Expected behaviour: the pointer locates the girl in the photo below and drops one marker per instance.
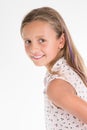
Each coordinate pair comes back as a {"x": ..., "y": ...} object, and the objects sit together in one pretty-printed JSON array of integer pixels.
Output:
[{"x": 48, "y": 43}]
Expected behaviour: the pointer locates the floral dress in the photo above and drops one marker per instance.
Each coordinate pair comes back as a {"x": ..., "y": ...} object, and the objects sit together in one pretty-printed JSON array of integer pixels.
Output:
[{"x": 55, "y": 117}]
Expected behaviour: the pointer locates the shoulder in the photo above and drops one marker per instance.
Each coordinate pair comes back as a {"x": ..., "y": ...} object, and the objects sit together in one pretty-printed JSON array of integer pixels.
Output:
[
  {"x": 59, "y": 91},
  {"x": 63, "y": 95}
]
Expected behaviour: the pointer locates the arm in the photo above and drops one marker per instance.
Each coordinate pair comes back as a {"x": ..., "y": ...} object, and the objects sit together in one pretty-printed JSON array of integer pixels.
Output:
[{"x": 63, "y": 95}]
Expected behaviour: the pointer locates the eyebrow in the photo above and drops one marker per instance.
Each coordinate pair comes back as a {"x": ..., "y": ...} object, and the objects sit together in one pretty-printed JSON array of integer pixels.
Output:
[
  {"x": 39, "y": 36},
  {"x": 35, "y": 37}
]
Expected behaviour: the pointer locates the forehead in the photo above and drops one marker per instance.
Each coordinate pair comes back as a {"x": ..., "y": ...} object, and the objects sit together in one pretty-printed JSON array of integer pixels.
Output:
[{"x": 38, "y": 27}]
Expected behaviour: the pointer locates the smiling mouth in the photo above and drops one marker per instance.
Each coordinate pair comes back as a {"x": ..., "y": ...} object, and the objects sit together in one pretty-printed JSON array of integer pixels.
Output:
[{"x": 37, "y": 57}]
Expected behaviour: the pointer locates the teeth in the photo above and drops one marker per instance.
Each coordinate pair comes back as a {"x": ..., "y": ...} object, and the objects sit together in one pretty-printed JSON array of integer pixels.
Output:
[{"x": 37, "y": 57}]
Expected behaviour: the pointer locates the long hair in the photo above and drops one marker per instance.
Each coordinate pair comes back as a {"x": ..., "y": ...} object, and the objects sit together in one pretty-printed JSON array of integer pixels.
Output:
[{"x": 69, "y": 51}]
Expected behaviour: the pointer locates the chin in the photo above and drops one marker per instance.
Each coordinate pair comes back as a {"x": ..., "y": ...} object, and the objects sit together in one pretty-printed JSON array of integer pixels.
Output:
[{"x": 39, "y": 64}]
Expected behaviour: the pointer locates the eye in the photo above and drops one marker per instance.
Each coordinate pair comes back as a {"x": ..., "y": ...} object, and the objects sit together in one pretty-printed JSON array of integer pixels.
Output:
[
  {"x": 41, "y": 40},
  {"x": 27, "y": 42}
]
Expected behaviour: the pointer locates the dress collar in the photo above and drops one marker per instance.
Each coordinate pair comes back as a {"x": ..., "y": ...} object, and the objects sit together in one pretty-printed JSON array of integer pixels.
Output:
[{"x": 58, "y": 64}]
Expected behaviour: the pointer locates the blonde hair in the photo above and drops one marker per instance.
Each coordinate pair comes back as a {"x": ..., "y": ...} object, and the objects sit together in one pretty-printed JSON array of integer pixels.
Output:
[{"x": 69, "y": 51}]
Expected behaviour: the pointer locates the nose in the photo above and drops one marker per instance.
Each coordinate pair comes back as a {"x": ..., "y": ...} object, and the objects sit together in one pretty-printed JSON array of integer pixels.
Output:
[{"x": 34, "y": 48}]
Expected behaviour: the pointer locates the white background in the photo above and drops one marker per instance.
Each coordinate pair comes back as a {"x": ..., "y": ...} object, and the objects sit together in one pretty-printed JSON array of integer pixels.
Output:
[{"x": 21, "y": 83}]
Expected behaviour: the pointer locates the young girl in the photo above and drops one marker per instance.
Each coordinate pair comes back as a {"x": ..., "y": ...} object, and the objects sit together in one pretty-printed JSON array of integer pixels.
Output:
[{"x": 48, "y": 43}]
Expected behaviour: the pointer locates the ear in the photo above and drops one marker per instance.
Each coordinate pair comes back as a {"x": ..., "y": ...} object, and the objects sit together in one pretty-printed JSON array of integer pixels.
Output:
[{"x": 61, "y": 41}]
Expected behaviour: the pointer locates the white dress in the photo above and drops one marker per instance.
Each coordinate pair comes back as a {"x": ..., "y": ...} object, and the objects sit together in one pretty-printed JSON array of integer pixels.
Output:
[{"x": 55, "y": 117}]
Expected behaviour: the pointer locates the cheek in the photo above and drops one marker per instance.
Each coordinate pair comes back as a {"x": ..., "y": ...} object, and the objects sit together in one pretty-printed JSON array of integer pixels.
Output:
[
  {"x": 52, "y": 50},
  {"x": 27, "y": 50}
]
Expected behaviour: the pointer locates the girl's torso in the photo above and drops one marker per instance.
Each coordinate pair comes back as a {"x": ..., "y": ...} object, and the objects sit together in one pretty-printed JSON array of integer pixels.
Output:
[{"x": 57, "y": 118}]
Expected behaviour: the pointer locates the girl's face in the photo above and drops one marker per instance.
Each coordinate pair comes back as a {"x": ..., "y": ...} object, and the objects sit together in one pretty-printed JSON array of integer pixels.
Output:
[{"x": 41, "y": 42}]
